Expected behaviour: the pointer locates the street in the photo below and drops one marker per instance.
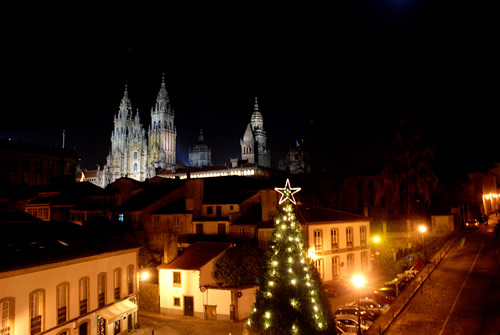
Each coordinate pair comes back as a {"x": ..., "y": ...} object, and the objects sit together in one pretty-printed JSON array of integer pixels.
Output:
[{"x": 463, "y": 293}]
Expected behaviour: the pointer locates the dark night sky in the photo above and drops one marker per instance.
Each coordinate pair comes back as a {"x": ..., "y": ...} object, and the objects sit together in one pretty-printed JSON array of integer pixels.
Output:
[{"x": 347, "y": 86}]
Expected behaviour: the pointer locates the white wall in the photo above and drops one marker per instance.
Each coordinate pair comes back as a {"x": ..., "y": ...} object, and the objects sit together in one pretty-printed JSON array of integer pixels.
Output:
[{"x": 20, "y": 283}]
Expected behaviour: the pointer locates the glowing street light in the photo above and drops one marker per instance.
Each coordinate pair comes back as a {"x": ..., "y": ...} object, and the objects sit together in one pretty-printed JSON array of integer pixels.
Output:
[
  {"x": 423, "y": 228},
  {"x": 144, "y": 275},
  {"x": 359, "y": 281}
]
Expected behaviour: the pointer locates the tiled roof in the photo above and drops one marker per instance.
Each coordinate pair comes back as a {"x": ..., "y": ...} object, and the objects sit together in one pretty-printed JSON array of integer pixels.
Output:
[
  {"x": 175, "y": 207},
  {"x": 23, "y": 245},
  {"x": 150, "y": 195},
  {"x": 197, "y": 255},
  {"x": 227, "y": 198},
  {"x": 311, "y": 214},
  {"x": 251, "y": 217}
]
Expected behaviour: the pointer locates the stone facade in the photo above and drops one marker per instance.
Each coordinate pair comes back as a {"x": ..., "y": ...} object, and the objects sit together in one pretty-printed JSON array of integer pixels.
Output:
[
  {"x": 200, "y": 155},
  {"x": 254, "y": 142},
  {"x": 134, "y": 154}
]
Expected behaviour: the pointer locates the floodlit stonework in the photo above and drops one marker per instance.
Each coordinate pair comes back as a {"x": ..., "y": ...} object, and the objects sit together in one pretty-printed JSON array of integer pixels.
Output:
[{"x": 135, "y": 154}]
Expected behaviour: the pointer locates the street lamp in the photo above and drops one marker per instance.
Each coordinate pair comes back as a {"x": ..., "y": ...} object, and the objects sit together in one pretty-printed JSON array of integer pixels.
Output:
[
  {"x": 376, "y": 240},
  {"x": 423, "y": 228},
  {"x": 359, "y": 281}
]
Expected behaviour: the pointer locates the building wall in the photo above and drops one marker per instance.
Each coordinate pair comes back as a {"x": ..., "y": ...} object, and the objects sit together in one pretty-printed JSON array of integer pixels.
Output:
[{"x": 18, "y": 284}]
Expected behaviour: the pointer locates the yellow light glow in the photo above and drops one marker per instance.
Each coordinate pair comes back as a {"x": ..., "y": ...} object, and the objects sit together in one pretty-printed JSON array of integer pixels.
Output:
[
  {"x": 144, "y": 275},
  {"x": 422, "y": 228},
  {"x": 376, "y": 239},
  {"x": 311, "y": 253},
  {"x": 358, "y": 281}
]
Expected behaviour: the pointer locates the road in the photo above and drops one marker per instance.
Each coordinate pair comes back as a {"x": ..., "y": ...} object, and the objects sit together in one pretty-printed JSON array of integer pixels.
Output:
[{"x": 462, "y": 295}]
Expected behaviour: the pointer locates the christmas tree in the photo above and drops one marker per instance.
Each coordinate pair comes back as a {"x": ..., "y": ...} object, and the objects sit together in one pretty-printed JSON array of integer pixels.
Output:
[{"x": 289, "y": 299}]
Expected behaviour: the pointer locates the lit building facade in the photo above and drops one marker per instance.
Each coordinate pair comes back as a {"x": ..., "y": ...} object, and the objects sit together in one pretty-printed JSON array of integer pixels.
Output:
[
  {"x": 200, "y": 155},
  {"x": 254, "y": 142},
  {"x": 135, "y": 154}
]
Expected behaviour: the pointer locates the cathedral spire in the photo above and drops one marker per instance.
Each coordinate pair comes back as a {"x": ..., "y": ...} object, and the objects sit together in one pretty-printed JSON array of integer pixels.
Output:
[
  {"x": 257, "y": 121},
  {"x": 162, "y": 99},
  {"x": 125, "y": 110},
  {"x": 201, "y": 138}
]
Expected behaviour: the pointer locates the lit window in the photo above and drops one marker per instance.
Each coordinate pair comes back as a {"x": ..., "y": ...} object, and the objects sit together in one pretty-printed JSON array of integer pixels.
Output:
[
  {"x": 84, "y": 295},
  {"x": 5, "y": 309},
  {"x": 121, "y": 217},
  {"x": 364, "y": 260},
  {"x": 101, "y": 289},
  {"x": 177, "y": 301},
  {"x": 36, "y": 311},
  {"x": 350, "y": 263},
  {"x": 62, "y": 303},
  {"x": 176, "y": 221},
  {"x": 318, "y": 241},
  {"x": 362, "y": 235},
  {"x": 334, "y": 234},
  {"x": 319, "y": 266},
  {"x": 117, "y": 279},
  {"x": 349, "y": 238},
  {"x": 177, "y": 278},
  {"x": 335, "y": 266}
]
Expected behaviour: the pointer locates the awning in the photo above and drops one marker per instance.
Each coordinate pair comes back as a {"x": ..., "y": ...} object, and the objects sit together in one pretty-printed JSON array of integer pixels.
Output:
[{"x": 117, "y": 310}]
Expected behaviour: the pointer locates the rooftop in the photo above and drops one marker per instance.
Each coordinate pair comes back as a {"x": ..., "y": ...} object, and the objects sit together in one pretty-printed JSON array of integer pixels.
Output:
[{"x": 196, "y": 256}]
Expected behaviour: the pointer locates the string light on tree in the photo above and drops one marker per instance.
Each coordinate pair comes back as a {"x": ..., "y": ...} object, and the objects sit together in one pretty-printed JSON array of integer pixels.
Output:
[{"x": 289, "y": 300}]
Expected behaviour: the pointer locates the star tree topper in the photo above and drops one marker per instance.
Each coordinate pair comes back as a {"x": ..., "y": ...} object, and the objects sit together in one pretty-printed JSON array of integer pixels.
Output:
[{"x": 287, "y": 192}]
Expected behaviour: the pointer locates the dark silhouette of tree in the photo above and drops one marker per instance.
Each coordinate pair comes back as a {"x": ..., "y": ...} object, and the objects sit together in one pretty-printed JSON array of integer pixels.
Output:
[
  {"x": 238, "y": 266},
  {"x": 409, "y": 178}
]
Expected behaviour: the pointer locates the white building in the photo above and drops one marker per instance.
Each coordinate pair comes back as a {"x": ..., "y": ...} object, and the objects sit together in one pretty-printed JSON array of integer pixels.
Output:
[
  {"x": 201, "y": 154},
  {"x": 187, "y": 286},
  {"x": 59, "y": 281},
  {"x": 338, "y": 242}
]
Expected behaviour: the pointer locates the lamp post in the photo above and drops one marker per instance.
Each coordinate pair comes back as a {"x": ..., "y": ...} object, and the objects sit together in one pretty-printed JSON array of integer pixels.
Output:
[
  {"x": 423, "y": 229},
  {"x": 376, "y": 241},
  {"x": 359, "y": 281}
]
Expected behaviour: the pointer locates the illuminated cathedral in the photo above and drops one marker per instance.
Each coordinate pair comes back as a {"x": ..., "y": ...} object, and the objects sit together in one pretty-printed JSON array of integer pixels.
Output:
[
  {"x": 141, "y": 155},
  {"x": 135, "y": 154}
]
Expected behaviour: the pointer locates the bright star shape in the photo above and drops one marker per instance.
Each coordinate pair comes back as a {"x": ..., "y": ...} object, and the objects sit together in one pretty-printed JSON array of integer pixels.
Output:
[{"x": 287, "y": 192}]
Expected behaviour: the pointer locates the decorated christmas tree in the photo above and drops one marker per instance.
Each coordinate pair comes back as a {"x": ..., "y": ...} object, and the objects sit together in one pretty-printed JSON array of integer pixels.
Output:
[{"x": 289, "y": 299}]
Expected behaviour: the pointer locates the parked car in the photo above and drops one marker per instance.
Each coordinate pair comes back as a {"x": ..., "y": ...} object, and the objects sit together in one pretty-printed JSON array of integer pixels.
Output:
[
  {"x": 353, "y": 310},
  {"x": 412, "y": 272},
  {"x": 382, "y": 298},
  {"x": 387, "y": 291},
  {"x": 370, "y": 305},
  {"x": 400, "y": 281},
  {"x": 334, "y": 288},
  {"x": 341, "y": 329},
  {"x": 471, "y": 224},
  {"x": 350, "y": 322}
]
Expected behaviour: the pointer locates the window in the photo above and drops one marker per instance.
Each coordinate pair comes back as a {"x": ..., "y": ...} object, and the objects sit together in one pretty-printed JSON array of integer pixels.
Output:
[
  {"x": 62, "y": 302},
  {"x": 84, "y": 295},
  {"x": 334, "y": 234},
  {"x": 221, "y": 228},
  {"x": 5, "y": 308},
  {"x": 219, "y": 211},
  {"x": 319, "y": 266},
  {"x": 364, "y": 260},
  {"x": 177, "y": 221},
  {"x": 350, "y": 263},
  {"x": 199, "y": 228},
  {"x": 335, "y": 266},
  {"x": 156, "y": 222},
  {"x": 117, "y": 279},
  {"x": 362, "y": 235},
  {"x": 101, "y": 289},
  {"x": 177, "y": 301},
  {"x": 318, "y": 241},
  {"x": 130, "y": 279},
  {"x": 121, "y": 217},
  {"x": 176, "y": 279},
  {"x": 210, "y": 210},
  {"x": 231, "y": 207},
  {"x": 135, "y": 154},
  {"x": 36, "y": 311},
  {"x": 135, "y": 167},
  {"x": 348, "y": 233},
  {"x": 116, "y": 327}
]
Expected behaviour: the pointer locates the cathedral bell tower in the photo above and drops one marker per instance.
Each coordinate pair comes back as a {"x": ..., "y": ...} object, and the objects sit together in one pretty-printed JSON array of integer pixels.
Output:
[
  {"x": 162, "y": 132},
  {"x": 254, "y": 142}
]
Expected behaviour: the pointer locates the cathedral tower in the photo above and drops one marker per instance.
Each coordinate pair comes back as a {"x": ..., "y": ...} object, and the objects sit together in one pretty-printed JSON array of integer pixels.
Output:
[
  {"x": 254, "y": 142},
  {"x": 200, "y": 155},
  {"x": 162, "y": 132}
]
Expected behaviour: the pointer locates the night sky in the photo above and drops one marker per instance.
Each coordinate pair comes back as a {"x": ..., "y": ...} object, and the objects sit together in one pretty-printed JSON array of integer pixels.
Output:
[{"x": 346, "y": 86}]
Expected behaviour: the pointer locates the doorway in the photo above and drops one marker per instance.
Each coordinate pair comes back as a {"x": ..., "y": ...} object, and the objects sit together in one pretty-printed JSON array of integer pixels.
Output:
[{"x": 188, "y": 306}]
